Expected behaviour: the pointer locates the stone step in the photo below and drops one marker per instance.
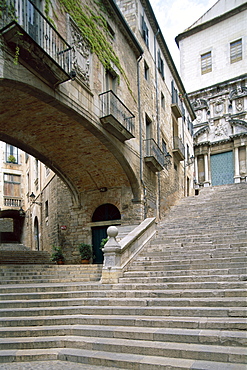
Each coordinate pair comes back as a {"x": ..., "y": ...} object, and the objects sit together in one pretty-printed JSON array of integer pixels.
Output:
[
  {"x": 189, "y": 264},
  {"x": 140, "y": 347},
  {"x": 123, "y": 302},
  {"x": 180, "y": 293},
  {"x": 197, "y": 336},
  {"x": 176, "y": 278},
  {"x": 215, "y": 323},
  {"x": 25, "y": 257},
  {"x": 130, "y": 310},
  {"x": 144, "y": 271},
  {"x": 119, "y": 360},
  {"x": 159, "y": 286},
  {"x": 52, "y": 281}
]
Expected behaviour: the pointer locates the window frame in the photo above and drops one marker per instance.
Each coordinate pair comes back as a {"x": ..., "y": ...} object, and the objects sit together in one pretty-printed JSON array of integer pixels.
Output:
[
  {"x": 146, "y": 71},
  {"x": 160, "y": 65},
  {"x": 236, "y": 51},
  {"x": 145, "y": 31},
  {"x": 206, "y": 58}
]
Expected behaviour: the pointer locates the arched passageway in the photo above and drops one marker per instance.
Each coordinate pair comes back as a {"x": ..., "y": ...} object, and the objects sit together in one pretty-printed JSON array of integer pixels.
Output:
[{"x": 73, "y": 147}]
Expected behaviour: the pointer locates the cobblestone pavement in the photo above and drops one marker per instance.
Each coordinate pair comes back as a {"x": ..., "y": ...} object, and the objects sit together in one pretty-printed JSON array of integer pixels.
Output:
[{"x": 51, "y": 365}]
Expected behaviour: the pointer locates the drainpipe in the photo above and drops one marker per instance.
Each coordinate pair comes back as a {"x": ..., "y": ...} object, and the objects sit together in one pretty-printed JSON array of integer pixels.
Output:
[
  {"x": 140, "y": 134},
  {"x": 158, "y": 121}
]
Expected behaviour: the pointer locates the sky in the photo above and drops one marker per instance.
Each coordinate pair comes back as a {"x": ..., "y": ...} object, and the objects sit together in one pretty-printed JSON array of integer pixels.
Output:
[{"x": 174, "y": 16}]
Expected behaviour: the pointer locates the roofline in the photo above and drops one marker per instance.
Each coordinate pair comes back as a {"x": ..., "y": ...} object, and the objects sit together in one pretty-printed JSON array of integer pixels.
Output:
[
  {"x": 154, "y": 24},
  {"x": 209, "y": 23}
]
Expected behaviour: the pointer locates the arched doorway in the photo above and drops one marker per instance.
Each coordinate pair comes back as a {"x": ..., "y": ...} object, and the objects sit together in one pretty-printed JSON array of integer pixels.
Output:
[
  {"x": 105, "y": 212},
  {"x": 36, "y": 234}
]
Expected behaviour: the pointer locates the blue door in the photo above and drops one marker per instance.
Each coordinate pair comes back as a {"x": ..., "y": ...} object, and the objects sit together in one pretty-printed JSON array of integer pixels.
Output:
[{"x": 222, "y": 168}]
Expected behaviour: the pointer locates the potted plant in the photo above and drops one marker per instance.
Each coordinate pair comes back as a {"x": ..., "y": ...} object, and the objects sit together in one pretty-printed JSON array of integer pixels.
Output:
[
  {"x": 103, "y": 242},
  {"x": 86, "y": 252},
  {"x": 11, "y": 159},
  {"x": 57, "y": 255}
]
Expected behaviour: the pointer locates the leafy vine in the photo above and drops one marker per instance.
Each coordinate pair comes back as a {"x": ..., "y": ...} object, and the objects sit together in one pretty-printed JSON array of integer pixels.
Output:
[{"x": 94, "y": 29}]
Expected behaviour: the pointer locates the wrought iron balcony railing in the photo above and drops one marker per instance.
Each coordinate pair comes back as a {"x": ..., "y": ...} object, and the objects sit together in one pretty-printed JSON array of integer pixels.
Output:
[
  {"x": 116, "y": 117},
  {"x": 22, "y": 24},
  {"x": 178, "y": 148},
  {"x": 154, "y": 157}
]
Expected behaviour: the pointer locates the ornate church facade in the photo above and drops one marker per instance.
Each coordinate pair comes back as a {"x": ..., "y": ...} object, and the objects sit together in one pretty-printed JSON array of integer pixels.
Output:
[{"x": 213, "y": 68}]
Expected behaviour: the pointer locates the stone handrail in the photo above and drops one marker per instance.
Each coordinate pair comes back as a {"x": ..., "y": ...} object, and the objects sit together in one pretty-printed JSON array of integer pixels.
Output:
[{"x": 117, "y": 255}]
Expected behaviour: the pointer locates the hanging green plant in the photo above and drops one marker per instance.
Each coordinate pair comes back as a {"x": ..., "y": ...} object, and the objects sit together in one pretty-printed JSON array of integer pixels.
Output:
[{"x": 94, "y": 29}]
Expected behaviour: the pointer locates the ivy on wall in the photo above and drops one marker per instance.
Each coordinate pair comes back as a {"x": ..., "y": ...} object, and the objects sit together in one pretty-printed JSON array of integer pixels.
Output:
[{"x": 94, "y": 29}]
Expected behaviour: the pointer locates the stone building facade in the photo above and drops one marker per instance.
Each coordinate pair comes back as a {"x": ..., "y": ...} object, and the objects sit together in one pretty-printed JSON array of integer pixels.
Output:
[
  {"x": 97, "y": 99},
  {"x": 215, "y": 75}
]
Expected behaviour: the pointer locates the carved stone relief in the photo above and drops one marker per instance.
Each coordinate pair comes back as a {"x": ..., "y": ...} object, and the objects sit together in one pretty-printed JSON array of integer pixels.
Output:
[
  {"x": 199, "y": 104},
  {"x": 239, "y": 92},
  {"x": 199, "y": 116},
  {"x": 220, "y": 129},
  {"x": 80, "y": 54},
  {"x": 239, "y": 104},
  {"x": 219, "y": 106}
]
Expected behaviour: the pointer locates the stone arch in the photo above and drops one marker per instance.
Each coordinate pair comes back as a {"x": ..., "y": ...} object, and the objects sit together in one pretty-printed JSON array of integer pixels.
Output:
[{"x": 41, "y": 125}]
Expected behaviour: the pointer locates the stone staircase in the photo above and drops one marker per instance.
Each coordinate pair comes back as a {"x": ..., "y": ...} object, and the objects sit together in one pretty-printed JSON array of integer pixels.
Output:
[
  {"x": 18, "y": 254},
  {"x": 181, "y": 304}
]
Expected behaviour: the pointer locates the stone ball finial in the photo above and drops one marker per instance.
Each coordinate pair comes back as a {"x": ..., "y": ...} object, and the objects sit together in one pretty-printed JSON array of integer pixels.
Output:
[{"x": 112, "y": 231}]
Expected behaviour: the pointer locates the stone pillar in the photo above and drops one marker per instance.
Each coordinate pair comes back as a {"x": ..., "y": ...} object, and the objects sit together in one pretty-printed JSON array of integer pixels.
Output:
[
  {"x": 236, "y": 167},
  {"x": 112, "y": 258},
  {"x": 206, "y": 182}
]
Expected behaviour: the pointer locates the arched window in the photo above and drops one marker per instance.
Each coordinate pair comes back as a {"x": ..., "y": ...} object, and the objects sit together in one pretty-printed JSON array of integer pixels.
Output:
[{"x": 106, "y": 212}]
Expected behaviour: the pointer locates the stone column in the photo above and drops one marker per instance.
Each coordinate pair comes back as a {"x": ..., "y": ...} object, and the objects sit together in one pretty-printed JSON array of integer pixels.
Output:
[
  {"x": 236, "y": 167},
  {"x": 206, "y": 181}
]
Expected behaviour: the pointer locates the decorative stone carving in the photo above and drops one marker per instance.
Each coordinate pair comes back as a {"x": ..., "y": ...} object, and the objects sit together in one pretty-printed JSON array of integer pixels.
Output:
[
  {"x": 80, "y": 54},
  {"x": 199, "y": 115},
  {"x": 237, "y": 93},
  {"x": 199, "y": 104},
  {"x": 220, "y": 129},
  {"x": 219, "y": 105},
  {"x": 239, "y": 104}
]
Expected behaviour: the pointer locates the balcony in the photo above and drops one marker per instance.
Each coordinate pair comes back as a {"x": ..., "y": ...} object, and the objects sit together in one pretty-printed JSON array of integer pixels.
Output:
[
  {"x": 154, "y": 157},
  {"x": 178, "y": 148},
  {"x": 34, "y": 41},
  {"x": 12, "y": 202},
  {"x": 116, "y": 117},
  {"x": 176, "y": 105}
]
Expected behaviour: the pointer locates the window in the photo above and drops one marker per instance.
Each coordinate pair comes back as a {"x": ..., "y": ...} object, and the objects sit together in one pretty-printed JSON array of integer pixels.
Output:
[
  {"x": 11, "y": 154},
  {"x": 144, "y": 31},
  {"x": 12, "y": 185},
  {"x": 206, "y": 63},
  {"x": 47, "y": 171},
  {"x": 187, "y": 152},
  {"x": 146, "y": 71},
  {"x": 46, "y": 209},
  {"x": 111, "y": 81},
  {"x": 160, "y": 65},
  {"x": 236, "y": 51},
  {"x": 148, "y": 128},
  {"x": 162, "y": 101}
]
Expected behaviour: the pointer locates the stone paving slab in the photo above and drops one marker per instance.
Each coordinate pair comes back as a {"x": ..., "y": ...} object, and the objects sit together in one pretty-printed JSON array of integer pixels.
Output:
[{"x": 51, "y": 365}]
